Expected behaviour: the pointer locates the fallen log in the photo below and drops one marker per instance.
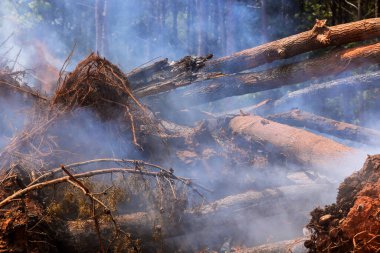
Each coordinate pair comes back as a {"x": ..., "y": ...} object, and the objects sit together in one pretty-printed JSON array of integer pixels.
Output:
[
  {"x": 236, "y": 212},
  {"x": 145, "y": 73},
  {"x": 186, "y": 70},
  {"x": 328, "y": 89},
  {"x": 320, "y": 36},
  {"x": 296, "y": 145},
  {"x": 213, "y": 89},
  {"x": 332, "y": 127},
  {"x": 294, "y": 246}
]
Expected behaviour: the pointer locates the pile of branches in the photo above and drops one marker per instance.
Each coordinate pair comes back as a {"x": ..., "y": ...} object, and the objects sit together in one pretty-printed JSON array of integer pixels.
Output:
[
  {"x": 37, "y": 210},
  {"x": 37, "y": 202}
]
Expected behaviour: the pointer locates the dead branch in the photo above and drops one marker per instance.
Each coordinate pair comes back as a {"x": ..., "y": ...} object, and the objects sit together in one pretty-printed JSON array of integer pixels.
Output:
[
  {"x": 136, "y": 163},
  {"x": 41, "y": 185},
  {"x": 86, "y": 191}
]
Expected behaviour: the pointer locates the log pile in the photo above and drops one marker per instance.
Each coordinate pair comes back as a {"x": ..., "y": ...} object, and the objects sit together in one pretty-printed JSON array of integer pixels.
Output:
[
  {"x": 239, "y": 172},
  {"x": 228, "y": 85}
]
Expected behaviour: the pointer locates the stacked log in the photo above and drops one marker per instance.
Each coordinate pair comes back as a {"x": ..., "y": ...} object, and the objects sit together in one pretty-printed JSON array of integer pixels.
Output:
[
  {"x": 297, "y": 146},
  {"x": 223, "y": 86},
  {"x": 324, "y": 125}
]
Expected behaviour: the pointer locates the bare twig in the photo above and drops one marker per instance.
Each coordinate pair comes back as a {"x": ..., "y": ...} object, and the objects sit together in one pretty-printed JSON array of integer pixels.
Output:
[
  {"x": 94, "y": 200},
  {"x": 185, "y": 181},
  {"x": 16, "y": 59},
  {"x": 8, "y": 38},
  {"x": 37, "y": 186}
]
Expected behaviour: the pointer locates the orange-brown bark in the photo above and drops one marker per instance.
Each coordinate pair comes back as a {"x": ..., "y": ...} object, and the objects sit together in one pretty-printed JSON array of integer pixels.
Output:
[
  {"x": 320, "y": 36},
  {"x": 297, "y": 145}
]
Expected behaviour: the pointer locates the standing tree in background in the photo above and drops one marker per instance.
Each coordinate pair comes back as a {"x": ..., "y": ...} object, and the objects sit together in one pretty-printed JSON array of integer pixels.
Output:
[
  {"x": 142, "y": 30},
  {"x": 202, "y": 27},
  {"x": 230, "y": 27},
  {"x": 264, "y": 21},
  {"x": 101, "y": 43}
]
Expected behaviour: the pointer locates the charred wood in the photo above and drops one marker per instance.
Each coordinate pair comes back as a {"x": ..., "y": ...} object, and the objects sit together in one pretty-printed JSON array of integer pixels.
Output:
[
  {"x": 167, "y": 74},
  {"x": 213, "y": 89},
  {"x": 144, "y": 74}
]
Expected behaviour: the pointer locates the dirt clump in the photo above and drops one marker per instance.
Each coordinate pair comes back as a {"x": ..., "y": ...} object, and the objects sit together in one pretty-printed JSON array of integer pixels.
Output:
[
  {"x": 352, "y": 224},
  {"x": 24, "y": 225}
]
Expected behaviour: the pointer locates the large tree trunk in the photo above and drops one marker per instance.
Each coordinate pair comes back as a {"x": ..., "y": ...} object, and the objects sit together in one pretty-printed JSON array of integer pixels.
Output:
[
  {"x": 202, "y": 10},
  {"x": 144, "y": 75},
  {"x": 264, "y": 21},
  {"x": 162, "y": 75},
  {"x": 215, "y": 88},
  {"x": 318, "y": 37},
  {"x": 230, "y": 27},
  {"x": 293, "y": 246},
  {"x": 210, "y": 220},
  {"x": 328, "y": 126},
  {"x": 297, "y": 146},
  {"x": 324, "y": 90}
]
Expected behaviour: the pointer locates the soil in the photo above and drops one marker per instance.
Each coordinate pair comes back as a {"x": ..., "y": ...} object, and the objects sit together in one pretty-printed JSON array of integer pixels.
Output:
[
  {"x": 24, "y": 225},
  {"x": 352, "y": 224}
]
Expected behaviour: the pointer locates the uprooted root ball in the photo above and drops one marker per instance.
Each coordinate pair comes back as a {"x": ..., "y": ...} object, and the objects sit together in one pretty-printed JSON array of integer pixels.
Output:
[{"x": 100, "y": 85}]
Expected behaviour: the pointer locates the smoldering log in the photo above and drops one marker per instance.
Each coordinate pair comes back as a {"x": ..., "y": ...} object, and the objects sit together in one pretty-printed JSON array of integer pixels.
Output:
[
  {"x": 332, "y": 127},
  {"x": 320, "y": 36},
  {"x": 358, "y": 82},
  {"x": 144, "y": 74},
  {"x": 162, "y": 71},
  {"x": 9, "y": 85},
  {"x": 295, "y": 246},
  {"x": 296, "y": 145},
  {"x": 232, "y": 212},
  {"x": 333, "y": 63}
]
